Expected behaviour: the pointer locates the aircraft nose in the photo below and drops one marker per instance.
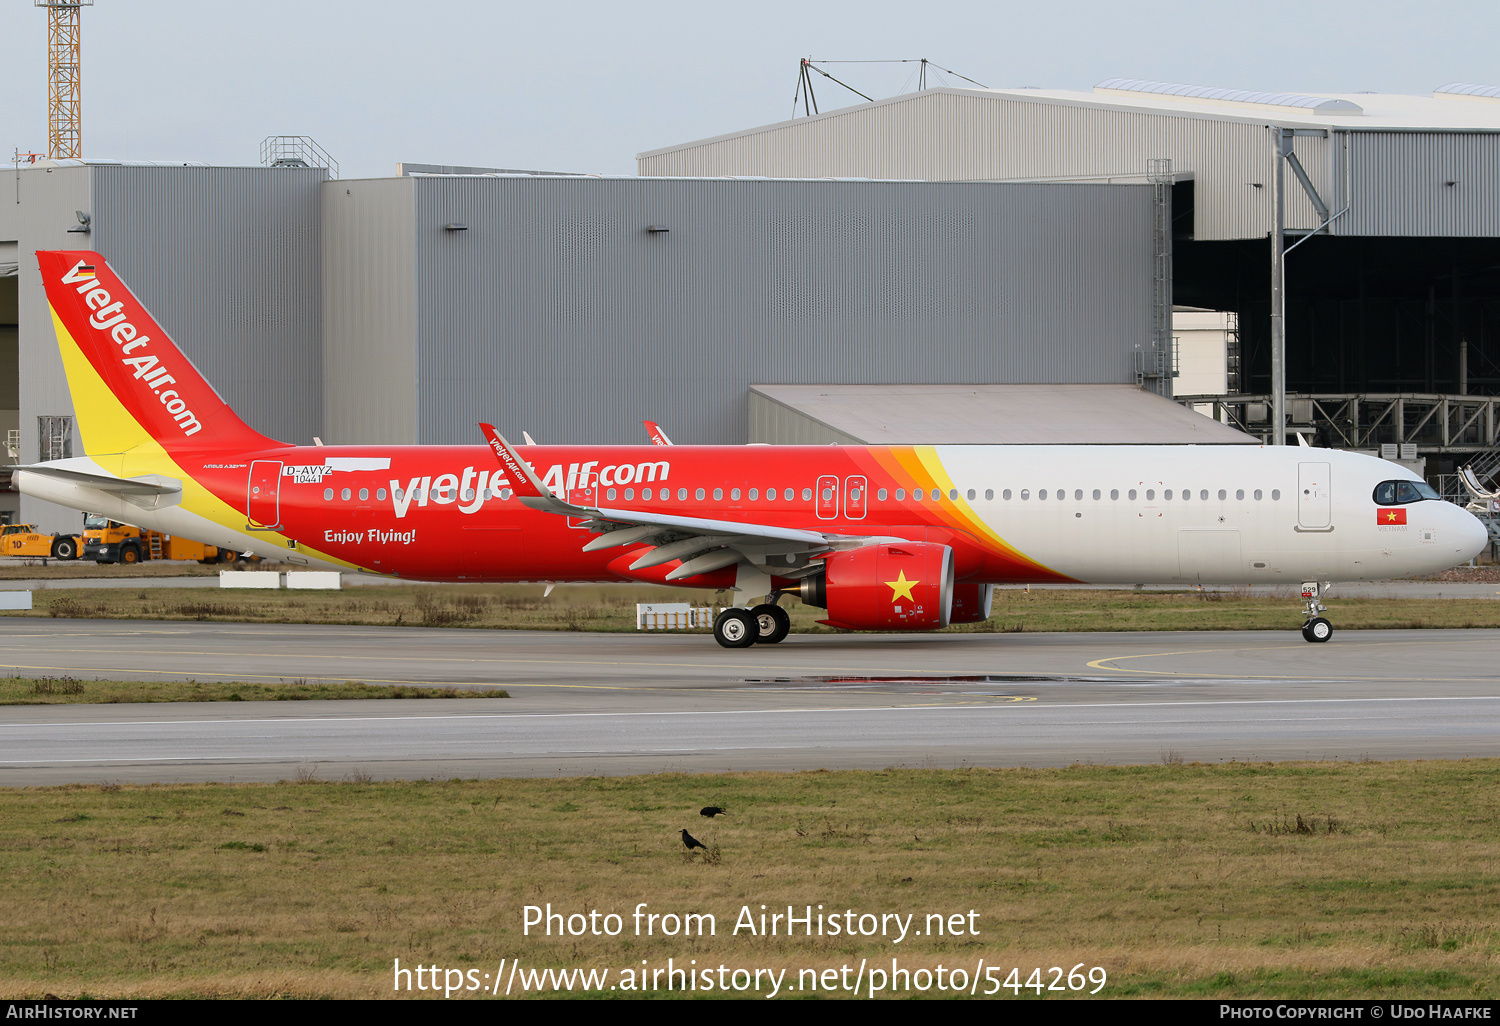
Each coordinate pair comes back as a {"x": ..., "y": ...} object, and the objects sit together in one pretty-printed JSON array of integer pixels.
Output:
[{"x": 1471, "y": 532}]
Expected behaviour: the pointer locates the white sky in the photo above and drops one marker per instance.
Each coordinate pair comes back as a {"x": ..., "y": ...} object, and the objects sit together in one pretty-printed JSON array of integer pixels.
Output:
[{"x": 586, "y": 86}]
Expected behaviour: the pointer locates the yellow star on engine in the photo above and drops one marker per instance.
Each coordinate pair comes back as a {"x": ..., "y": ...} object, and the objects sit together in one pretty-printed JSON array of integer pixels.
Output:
[{"x": 901, "y": 588}]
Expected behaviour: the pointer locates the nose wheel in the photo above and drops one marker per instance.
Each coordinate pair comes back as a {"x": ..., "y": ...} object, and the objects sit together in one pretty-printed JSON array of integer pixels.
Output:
[{"x": 1316, "y": 628}]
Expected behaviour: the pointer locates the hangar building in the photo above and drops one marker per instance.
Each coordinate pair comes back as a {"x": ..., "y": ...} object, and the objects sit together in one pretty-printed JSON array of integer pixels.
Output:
[
  {"x": 406, "y": 309},
  {"x": 1390, "y": 207}
]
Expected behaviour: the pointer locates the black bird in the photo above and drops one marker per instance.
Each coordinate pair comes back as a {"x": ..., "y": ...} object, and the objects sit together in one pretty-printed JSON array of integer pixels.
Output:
[
  {"x": 692, "y": 842},
  {"x": 712, "y": 811}
]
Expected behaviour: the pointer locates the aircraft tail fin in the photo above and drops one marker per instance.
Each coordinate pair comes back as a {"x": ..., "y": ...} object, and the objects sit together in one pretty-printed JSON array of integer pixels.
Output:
[{"x": 131, "y": 385}]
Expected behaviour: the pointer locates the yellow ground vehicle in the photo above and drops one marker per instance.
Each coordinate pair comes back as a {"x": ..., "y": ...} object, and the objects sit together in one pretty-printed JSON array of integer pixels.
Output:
[
  {"x": 25, "y": 540},
  {"x": 108, "y": 541}
]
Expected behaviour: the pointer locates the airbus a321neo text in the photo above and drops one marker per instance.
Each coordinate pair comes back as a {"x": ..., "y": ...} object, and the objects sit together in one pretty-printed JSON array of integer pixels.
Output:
[{"x": 881, "y": 537}]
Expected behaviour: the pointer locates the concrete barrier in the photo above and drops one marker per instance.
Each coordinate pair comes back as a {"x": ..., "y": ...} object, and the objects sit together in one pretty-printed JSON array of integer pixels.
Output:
[
  {"x": 15, "y": 600},
  {"x": 249, "y": 579},
  {"x": 328, "y": 580}
]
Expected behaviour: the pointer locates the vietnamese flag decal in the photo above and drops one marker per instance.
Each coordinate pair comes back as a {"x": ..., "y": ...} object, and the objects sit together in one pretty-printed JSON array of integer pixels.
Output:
[{"x": 1390, "y": 516}]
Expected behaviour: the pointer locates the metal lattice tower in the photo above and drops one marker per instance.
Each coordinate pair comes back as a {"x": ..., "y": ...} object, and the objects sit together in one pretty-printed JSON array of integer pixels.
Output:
[{"x": 64, "y": 81}]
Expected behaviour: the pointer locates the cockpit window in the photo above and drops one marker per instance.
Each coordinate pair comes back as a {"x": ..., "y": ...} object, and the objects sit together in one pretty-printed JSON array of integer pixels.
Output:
[{"x": 1398, "y": 493}]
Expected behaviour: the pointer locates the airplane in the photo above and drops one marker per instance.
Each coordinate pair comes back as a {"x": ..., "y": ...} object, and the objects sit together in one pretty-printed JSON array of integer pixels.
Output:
[{"x": 910, "y": 537}]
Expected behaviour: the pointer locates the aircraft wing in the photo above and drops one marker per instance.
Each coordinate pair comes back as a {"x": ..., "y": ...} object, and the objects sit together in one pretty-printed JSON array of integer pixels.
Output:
[{"x": 703, "y": 545}]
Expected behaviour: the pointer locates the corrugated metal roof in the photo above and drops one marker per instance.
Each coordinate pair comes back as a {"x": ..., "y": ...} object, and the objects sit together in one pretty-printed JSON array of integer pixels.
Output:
[
  {"x": 1238, "y": 97},
  {"x": 1001, "y": 415},
  {"x": 1469, "y": 90}
]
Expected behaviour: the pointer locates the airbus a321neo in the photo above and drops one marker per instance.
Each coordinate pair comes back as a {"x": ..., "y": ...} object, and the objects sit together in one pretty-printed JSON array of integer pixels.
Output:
[{"x": 882, "y": 537}]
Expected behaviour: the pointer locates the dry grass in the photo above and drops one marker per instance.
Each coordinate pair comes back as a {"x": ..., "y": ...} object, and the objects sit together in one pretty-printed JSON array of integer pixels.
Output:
[
  {"x": 1295, "y": 880},
  {"x": 71, "y": 691},
  {"x": 612, "y": 608}
]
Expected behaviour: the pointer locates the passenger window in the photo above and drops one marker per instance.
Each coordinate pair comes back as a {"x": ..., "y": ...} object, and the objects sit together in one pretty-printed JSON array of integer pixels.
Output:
[
  {"x": 789, "y": 494},
  {"x": 1026, "y": 494},
  {"x": 1114, "y": 494},
  {"x": 827, "y": 494},
  {"x": 807, "y": 495},
  {"x": 937, "y": 494},
  {"x": 1097, "y": 495},
  {"x": 1275, "y": 494},
  {"x": 1151, "y": 493},
  {"x": 754, "y": 494},
  {"x": 1239, "y": 493},
  {"x": 682, "y": 494},
  {"x": 505, "y": 493},
  {"x": 1132, "y": 495},
  {"x": 953, "y": 495},
  {"x": 718, "y": 494},
  {"x": 1078, "y": 495},
  {"x": 1041, "y": 494},
  {"x": 629, "y": 494},
  {"x": 916, "y": 495},
  {"x": 344, "y": 495},
  {"x": 1204, "y": 495},
  {"x": 1257, "y": 495},
  {"x": 646, "y": 494},
  {"x": 1005, "y": 495},
  {"x": 900, "y": 494},
  {"x": 734, "y": 495},
  {"x": 989, "y": 493},
  {"x": 971, "y": 493},
  {"x": 881, "y": 495},
  {"x": 380, "y": 494},
  {"x": 610, "y": 495},
  {"x": 1165, "y": 495},
  {"x": 1222, "y": 495},
  {"x": 328, "y": 494},
  {"x": 770, "y": 495}
]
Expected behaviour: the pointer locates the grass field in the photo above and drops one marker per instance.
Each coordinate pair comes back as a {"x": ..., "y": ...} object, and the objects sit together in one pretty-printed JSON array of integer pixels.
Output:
[
  {"x": 612, "y": 608},
  {"x": 1289, "y": 880},
  {"x": 71, "y": 691}
]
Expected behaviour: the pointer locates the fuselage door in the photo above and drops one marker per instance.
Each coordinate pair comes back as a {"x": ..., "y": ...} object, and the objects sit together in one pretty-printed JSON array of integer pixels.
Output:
[
  {"x": 586, "y": 496},
  {"x": 855, "y": 499},
  {"x": 263, "y": 496},
  {"x": 1314, "y": 496},
  {"x": 827, "y": 497}
]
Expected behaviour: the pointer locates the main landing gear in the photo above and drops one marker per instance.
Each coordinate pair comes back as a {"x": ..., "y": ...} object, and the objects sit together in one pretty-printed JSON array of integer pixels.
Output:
[
  {"x": 766, "y": 624},
  {"x": 1316, "y": 628}
]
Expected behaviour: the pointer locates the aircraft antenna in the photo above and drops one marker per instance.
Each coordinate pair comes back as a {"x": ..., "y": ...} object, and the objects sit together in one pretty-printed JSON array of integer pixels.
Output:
[{"x": 64, "y": 81}]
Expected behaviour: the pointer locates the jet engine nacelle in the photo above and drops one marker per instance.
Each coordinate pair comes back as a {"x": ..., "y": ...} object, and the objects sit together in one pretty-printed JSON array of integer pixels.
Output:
[
  {"x": 971, "y": 602},
  {"x": 890, "y": 586}
]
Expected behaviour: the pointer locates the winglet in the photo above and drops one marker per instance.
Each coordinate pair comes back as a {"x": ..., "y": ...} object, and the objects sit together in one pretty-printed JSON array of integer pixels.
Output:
[
  {"x": 522, "y": 479},
  {"x": 658, "y": 436}
]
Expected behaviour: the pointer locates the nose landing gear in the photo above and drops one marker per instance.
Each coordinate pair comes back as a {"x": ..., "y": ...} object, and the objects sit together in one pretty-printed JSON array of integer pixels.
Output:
[{"x": 1316, "y": 628}]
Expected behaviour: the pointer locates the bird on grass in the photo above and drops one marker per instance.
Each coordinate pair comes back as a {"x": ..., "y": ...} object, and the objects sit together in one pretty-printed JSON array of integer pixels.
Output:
[
  {"x": 691, "y": 842},
  {"x": 712, "y": 811}
]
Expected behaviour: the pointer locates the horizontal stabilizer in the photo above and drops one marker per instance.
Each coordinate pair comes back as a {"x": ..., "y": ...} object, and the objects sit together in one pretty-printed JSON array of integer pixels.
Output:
[{"x": 149, "y": 492}]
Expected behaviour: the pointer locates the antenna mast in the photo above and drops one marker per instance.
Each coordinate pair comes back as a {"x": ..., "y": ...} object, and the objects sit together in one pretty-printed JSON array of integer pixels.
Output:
[{"x": 64, "y": 82}]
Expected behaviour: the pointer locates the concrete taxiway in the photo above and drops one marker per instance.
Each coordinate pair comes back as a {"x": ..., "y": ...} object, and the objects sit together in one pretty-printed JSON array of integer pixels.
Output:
[{"x": 634, "y": 703}]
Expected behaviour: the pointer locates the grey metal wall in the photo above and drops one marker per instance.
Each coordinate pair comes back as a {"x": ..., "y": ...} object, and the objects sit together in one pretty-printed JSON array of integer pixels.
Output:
[
  {"x": 369, "y": 311},
  {"x": 227, "y": 259},
  {"x": 557, "y": 311}
]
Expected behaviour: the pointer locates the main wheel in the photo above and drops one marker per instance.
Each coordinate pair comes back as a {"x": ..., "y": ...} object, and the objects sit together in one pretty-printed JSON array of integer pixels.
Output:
[
  {"x": 130, "y": 554},
  {"x": 735, "y": 628},
  {"x": 772, "y": 623},
  {"x": 228, "y": 555},
  {"x": 1317, "y": 629},
  {"x": 65, "y": 548}
]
